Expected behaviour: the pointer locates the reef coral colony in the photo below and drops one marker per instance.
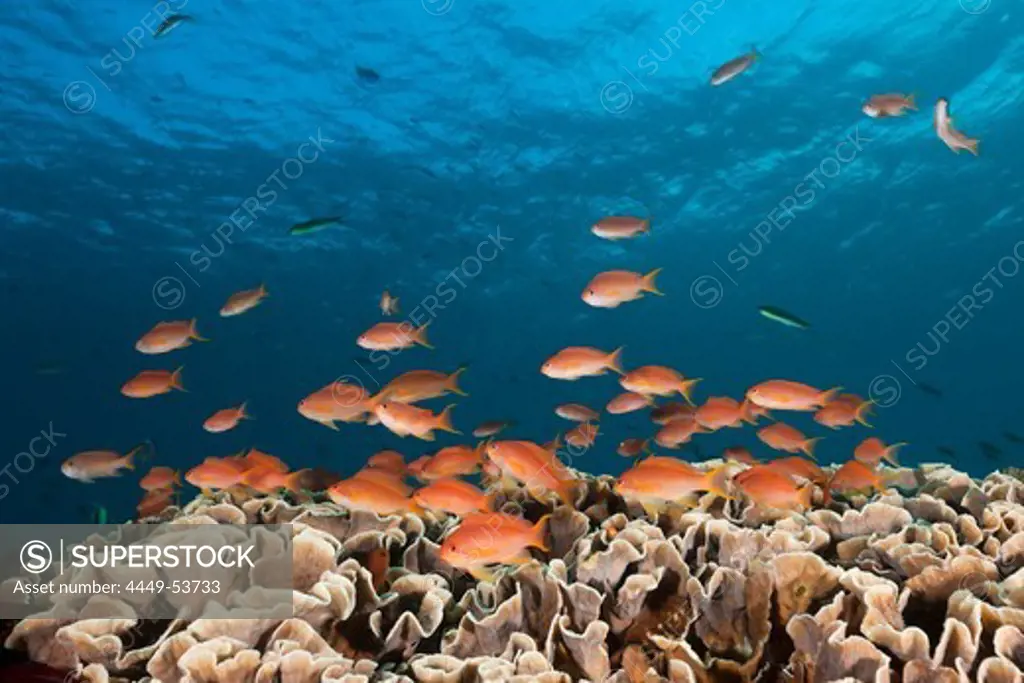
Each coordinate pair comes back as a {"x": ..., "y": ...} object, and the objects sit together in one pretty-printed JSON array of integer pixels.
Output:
[{"x": 728, "y": 570}]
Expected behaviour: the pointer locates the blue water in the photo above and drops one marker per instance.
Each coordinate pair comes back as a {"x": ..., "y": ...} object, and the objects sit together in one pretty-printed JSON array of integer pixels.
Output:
[{"x": 123, "y": 154}]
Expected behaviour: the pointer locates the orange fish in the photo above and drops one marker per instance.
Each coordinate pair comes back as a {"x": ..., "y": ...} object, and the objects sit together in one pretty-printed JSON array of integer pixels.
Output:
[
  {"x": 392, "y": 461},
  {"x": 491, "y": 428},
  {"x": 362, "y": 494},
  {"x": 338, "y": 401},
  {"x": 721, "y": 411},
  {"x": 577, "y": 412},
  {"x": 487, "y": 538},
  {"x": 393, "y": 336},
  {"x": 753, "y": 412},
  {"x": 454, "y": 496},
  {"x": 257, "y": 458},
  {"x": 657, "y": 380},
  {"x": 405, "y": 420},
  {"x": 953, "y": 138},
  {"x": 883, "y": 106},
  {"x": 90, "y": 465},
  {"x": 734, "y": 67},
  {"x": 388, "y": 303},
  {"x": 536, "y": 467},
  {"x": 740, "y": 455},
  {"x": 269, "y": 480},
  {"x": 574, "y": 362},
  {"x": 243, "y": 301},
  {"x": 656, "y": 481},
  {"x": 421, "y": 385},
  {"x": 384, "y": 478},
  {"x": 620, "y": 227},
  {"x": 770, "y": 488},
  {"x": 872, "y": 450},
  {"x": 417, "y": 466},
  {"x": 632, "y": 448},
  {"x": 453, "y": 461},
  {"x": 215, "y": 473},
  {"x": 378, "y": 562},
  {"x": 160, "y": 478},
  {"x": 169, "y": 336},
  {"x": 844, "y": 411},
  {"x": 226, "y": 419},
  {"x": 615, "y": 287},
  {"x": 856, "y": 477},
  {"x": 149, "y": 383},
  {"x": 795, "y": 466},
  {"x": 668, "y": 412},
  {"x": 782, "y": 437},
  {"x": 781, "y": 394},
  {"x": 628, "y": 402},
  {"x": 678, "y": 432},
  {"x": 155, "y": 502},
  {"x": 237, "y": 463},
  {"x": 582, "y": 435}
]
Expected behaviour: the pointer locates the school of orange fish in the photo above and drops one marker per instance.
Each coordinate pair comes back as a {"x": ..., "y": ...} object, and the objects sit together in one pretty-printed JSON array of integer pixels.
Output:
[{"x": 656, "y": 482}]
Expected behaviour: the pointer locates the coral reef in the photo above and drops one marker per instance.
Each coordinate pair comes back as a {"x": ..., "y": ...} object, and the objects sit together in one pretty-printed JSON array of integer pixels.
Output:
[{"x": 921, "y": 587}]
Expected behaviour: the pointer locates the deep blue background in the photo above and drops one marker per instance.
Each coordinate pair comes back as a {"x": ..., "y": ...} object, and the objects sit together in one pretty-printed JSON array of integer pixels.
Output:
[{"x": 486, "y": 114}]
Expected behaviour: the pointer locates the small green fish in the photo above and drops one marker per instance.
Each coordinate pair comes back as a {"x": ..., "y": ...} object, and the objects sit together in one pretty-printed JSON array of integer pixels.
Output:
[
  {"x": 97, "y": 514},
  {"x": 784, "y": 317},
  {"x": 313, "y": 225},
  {"x": 170, "y": 23}
]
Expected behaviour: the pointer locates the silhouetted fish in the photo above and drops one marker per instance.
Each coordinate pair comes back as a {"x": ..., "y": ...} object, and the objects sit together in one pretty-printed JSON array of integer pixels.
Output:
[
  {"x": 170, "y": 23},
  {"x": 928, "y": 389},
  {"x": 367, "y": 75},
  {"x": 48, "y": 368},
  {"x": 1013, "y": 438},
  {"x": 990, "y": 451},
  {"x": 947, "y": 451},
  {"x": 314, "y": 225},
  {"x": 784, "y": 317}
]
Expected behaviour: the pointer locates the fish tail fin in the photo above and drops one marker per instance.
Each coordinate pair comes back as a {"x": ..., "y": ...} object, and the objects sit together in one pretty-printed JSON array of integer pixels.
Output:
[
  {"x": 133, "y": 455},
  {"x": 243, "y": 413},
  {"x": 648, "y": 282},
  {"x": 860, "y": 415},
  {"x": 807, "y": 447},
  {"x": 805, "y": 496},
  {"x": 293, "y": 480},
  {"x": 444, "y": 420},
  {"x": 645, "y": 225},
  {"x": 176, "y": 479},
  {"x": 567, "y": 492},
  {"x": 420, "y": 336},
  {"x": 193, "y": 332},
  {"x": 972, "y": 146},
  {"x": 452, "y": 383},
  {"x": 686, "y": 389},
  {"x": 176, "y": 379},
  {"x": 614, "y": 361},
  {"x": 263, "y": 290},
  {"x": 827, "y": 491},
  {"x": 910, "y": 101},
  {"x": 556, "y": 443},
  {"x": 538, "y": 535},
  {"x": 755, "y": 53},
  {"x": 748, "y": 414},
  {"x": 827, "y": 397},
  {"x": 718, "y": 481},
  {"x": 890, "y": 453}
]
